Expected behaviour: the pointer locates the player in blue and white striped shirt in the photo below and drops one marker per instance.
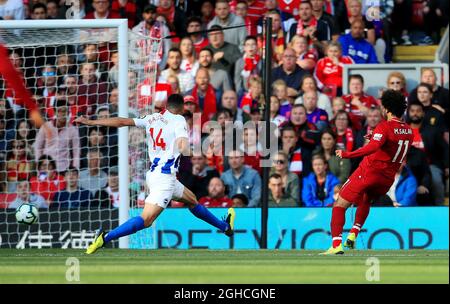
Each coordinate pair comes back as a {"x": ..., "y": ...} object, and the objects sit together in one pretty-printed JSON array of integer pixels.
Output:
[{"x": 167, "y": 139}]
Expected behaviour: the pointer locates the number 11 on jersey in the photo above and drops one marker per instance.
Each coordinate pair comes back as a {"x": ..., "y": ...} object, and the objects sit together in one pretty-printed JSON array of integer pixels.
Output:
[
  {"x": 401, "y": 143},
  {"x": 159, "y": 142}
]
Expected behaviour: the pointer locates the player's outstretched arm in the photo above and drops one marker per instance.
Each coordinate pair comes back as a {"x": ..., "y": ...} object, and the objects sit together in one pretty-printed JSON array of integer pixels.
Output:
[
  {"x": 368, "y": 149},
  {"x": 116, "y": 122}
]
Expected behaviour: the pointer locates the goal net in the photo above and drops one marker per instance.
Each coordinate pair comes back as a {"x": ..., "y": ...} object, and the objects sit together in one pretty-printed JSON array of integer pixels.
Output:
[{"x": 81, "y": 178}]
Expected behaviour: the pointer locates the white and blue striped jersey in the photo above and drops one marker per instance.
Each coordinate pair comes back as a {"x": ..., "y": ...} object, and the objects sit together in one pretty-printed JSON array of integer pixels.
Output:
[{"x": 162, "y": 130}]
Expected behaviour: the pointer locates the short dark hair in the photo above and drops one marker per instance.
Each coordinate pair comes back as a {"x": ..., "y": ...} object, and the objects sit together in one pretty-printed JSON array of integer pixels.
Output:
[
  {"x": 275, "y": 175},
  {"x": 416, "y": 103},
  {"x": 53, "y": 1},
  {"x": 72, "y": 169},
  {"x": 175, "y": 101},
  {"x": 95, "y": 150},
  {"x": 330, "y": 132},
  {"x": 394, "y": 102},
  {"x": 298, "y": 105},
  {"x": 194, "y": 19},
  {"x": 50, "y": 160},
  {"x": 343, "y": 112},
  {"x": 114, "y": 171},
  {"x": 272, "y": 12},
  {"x": 241, "y": 197},
  {"x": 98, "y": 129},
  {"x": 215, "y": 28},
  {"x": 425, "y": 85},
  {"x": 150, "y": 9},
  {"x": 356, "y": 76},
  {"x": 175, "y": 49},
  {"x": 224, "y": 111},
  {"x": 250, "y": 37},
  {"x": 288, "y": 128},
  {"x": 207, "y": 50},
  {"x": 306, "y": 2},
  {"x": 61, "y": 102},
  {"x": 39, "y": 5},
  {"x": 319, "y": 156}
]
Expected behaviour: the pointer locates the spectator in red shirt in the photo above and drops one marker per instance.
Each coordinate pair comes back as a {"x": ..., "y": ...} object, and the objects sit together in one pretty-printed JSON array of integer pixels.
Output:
[
  {"x": 345, "y": 136},
  {"x": 194, "y": 26},
  {"x": 216, "y": 195},
  {"x": 329, "y": 70},
  {"x": 248, "y": 65},
  {"x": 48, "y": 181},
  {"x": 125, "y": 9},
  {"x": 306, "y": 57},
  {"x": 254, "y": 9},
  {"x": 205, "y": 95},
  {"x": 357, "y": 102}
]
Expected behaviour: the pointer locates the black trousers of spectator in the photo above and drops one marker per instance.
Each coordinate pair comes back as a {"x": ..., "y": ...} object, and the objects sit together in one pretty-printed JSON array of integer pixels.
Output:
[
  {"x": 387, "y": 36},
  {"x": 401, "y": 18},
  {"x": 432, "y": 26}
]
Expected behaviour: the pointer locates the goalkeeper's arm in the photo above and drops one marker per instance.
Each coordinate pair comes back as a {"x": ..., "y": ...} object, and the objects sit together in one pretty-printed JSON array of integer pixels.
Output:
[{"x": 116, "y": 122}]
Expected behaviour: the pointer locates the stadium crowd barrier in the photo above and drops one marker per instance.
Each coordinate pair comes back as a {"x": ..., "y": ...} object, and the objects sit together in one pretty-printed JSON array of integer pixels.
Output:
[
  {"x": 375, "y": 75},
  {"x": 299, "y": 228}
]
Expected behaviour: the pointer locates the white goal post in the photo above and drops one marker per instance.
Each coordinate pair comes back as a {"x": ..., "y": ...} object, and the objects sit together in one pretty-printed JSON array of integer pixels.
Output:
[{"x": 12, "y": 32}]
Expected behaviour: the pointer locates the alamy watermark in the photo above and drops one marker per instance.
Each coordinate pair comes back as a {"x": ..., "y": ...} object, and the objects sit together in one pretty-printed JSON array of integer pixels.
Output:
[
  {"x": 73, "y": 12},
  {"x": 373, "y": 273},
  {"x": 73, "y": 270},
  {"x": 373, "y": 10}
]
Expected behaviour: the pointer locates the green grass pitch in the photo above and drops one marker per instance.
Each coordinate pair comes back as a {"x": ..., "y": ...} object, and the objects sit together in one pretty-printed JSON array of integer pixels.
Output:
[{"x": 231, "y": 266}]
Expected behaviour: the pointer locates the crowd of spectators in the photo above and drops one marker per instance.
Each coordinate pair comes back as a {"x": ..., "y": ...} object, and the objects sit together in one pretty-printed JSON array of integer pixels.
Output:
[{"x": 218, "y": 72}]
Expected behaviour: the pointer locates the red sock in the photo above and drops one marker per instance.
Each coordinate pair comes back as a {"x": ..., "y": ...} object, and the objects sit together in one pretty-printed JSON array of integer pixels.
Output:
[
  {"x": 361, "y": 215},
  {"x": 337, "y": 225}
]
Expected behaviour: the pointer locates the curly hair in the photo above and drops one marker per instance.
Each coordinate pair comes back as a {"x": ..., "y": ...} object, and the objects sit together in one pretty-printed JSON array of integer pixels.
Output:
[{"x": 394, "y": 102}]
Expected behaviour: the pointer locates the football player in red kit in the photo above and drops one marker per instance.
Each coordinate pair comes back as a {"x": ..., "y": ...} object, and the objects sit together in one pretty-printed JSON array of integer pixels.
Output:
[{"x": 384, "y": 154}]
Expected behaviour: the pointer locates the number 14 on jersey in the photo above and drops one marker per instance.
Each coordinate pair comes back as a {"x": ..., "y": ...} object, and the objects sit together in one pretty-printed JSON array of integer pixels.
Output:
[{"x": 159, "y": 141}]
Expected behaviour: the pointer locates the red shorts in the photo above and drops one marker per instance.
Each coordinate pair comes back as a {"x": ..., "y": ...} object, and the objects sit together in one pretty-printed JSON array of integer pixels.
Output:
[{"x": 365, "y": 182}]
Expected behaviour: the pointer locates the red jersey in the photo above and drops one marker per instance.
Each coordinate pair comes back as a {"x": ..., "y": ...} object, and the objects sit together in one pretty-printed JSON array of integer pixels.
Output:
[
  {"x": 200, "y": 45},
  {"x": 47, "y": 187},
  {"x": 367, "y": 100},
  {"x": 129, "y": 11},
  {"x": 418, "y": 140},
  {"x": 290, "y": 6},
  {"x": 224, "y": 202},
  {"x": 256, "y": 10},
  {"x": 387, "y": 148},
  {"x": 329, "y": 74}
]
